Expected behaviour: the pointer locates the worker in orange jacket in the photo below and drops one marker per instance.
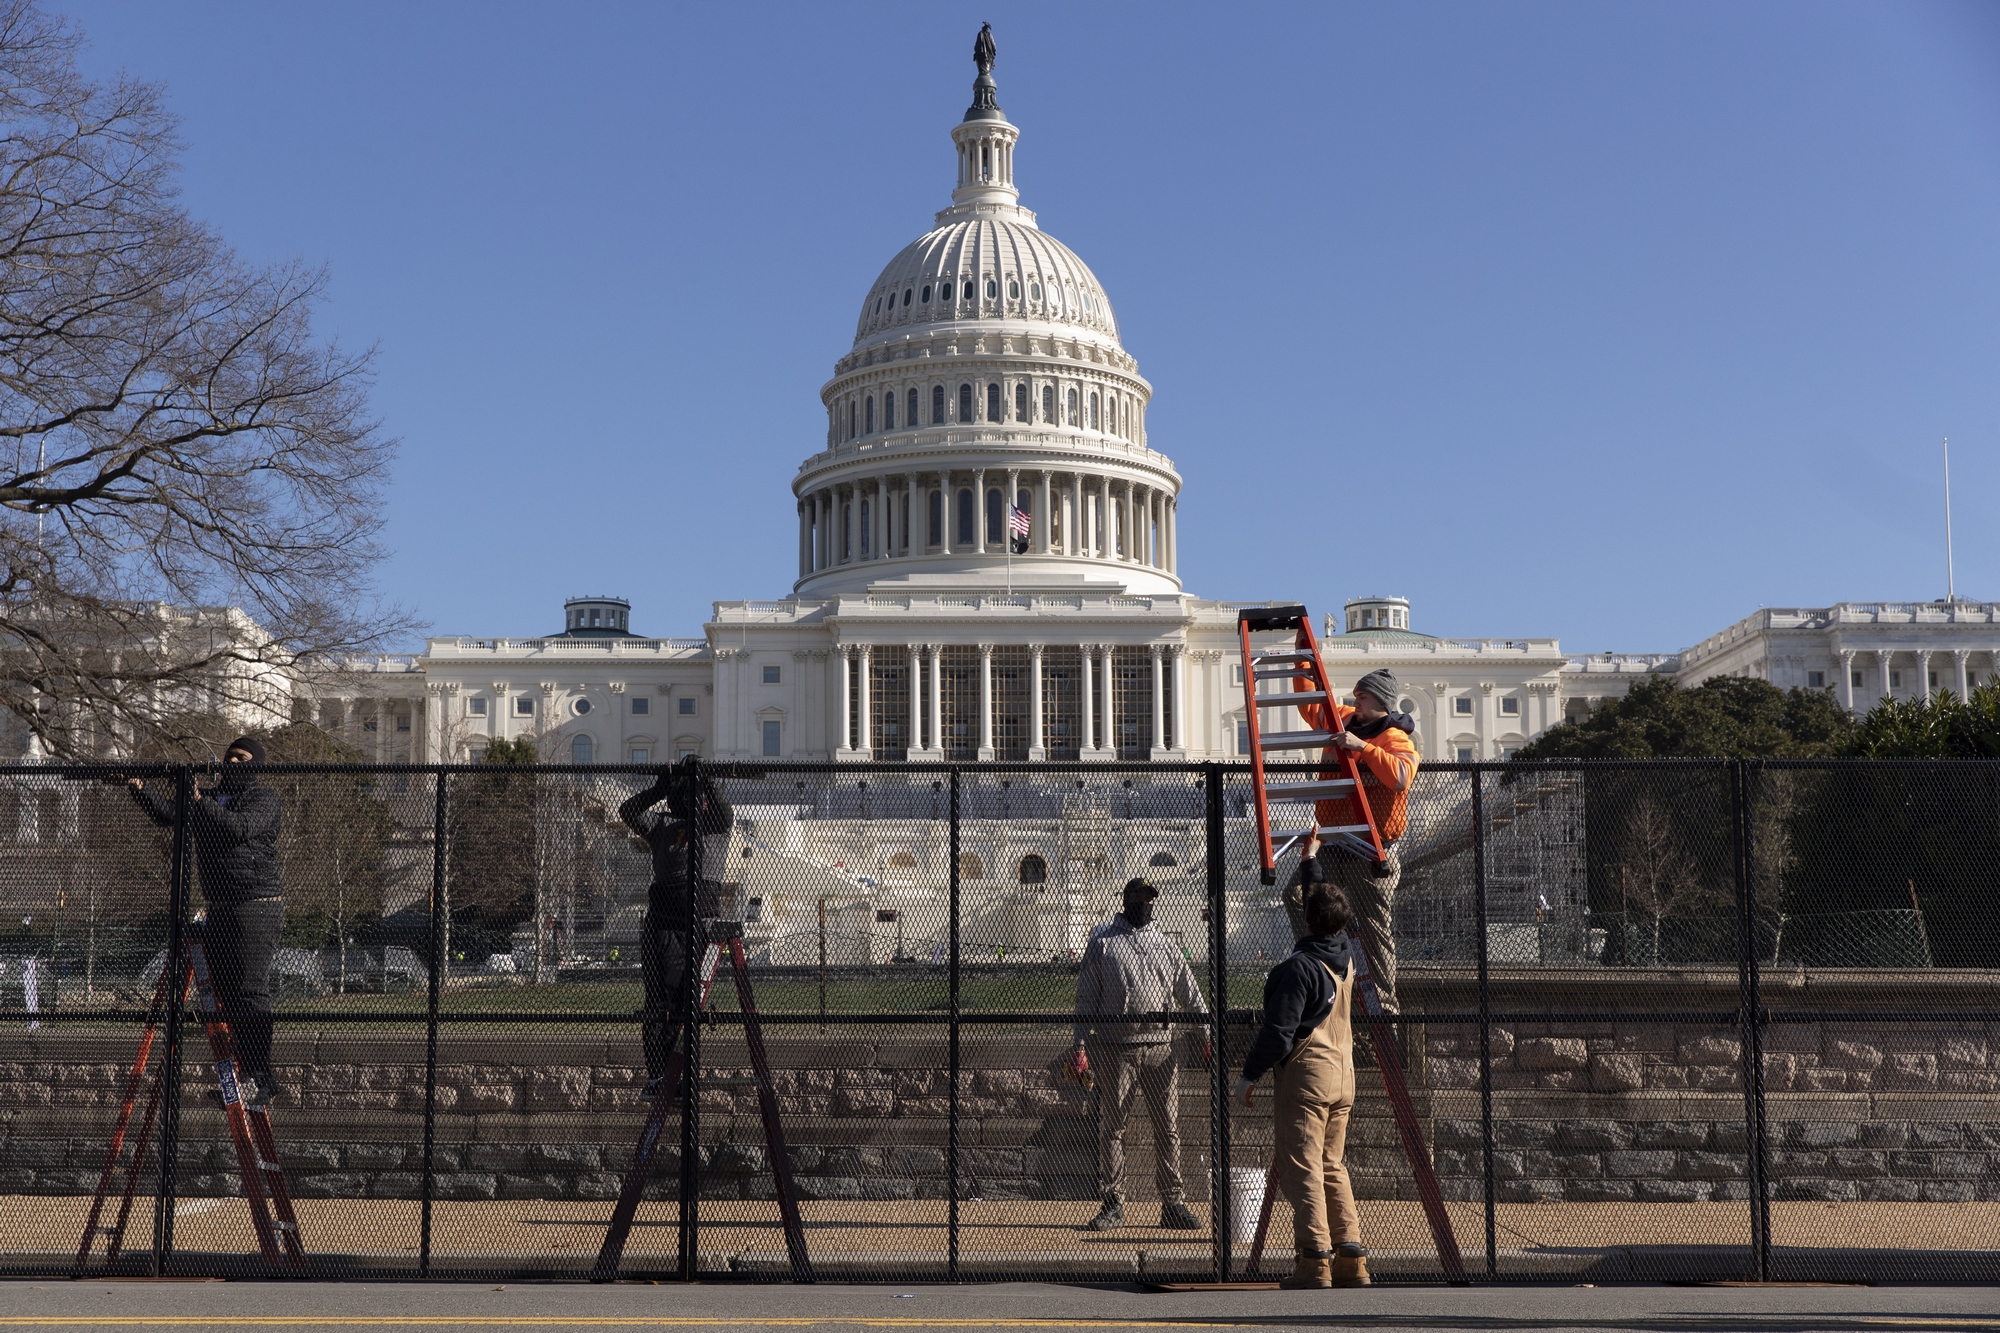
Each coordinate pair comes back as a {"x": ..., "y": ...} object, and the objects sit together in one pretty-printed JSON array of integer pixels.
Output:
[{"x": 1377, "y": 731}]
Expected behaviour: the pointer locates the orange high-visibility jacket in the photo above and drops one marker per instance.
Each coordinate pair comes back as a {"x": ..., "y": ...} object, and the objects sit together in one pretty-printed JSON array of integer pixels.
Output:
[{"x": 1388, "y": 767}]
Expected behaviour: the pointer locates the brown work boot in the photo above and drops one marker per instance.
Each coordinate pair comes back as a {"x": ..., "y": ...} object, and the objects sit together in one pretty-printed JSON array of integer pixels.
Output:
[
  {"x": 1350, "y": 1265},
  {"x": 1309, "y": 1271}
]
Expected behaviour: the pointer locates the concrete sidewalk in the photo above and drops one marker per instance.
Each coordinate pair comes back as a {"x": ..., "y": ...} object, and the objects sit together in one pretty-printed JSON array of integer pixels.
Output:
[{"x": 121, "y": 1305}]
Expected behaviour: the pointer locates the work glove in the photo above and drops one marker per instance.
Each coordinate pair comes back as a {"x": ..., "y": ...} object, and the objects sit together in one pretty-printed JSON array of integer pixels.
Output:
[
  {"x": 1078, "y": 1070},
  {"x": 1243, "y": 1091}
]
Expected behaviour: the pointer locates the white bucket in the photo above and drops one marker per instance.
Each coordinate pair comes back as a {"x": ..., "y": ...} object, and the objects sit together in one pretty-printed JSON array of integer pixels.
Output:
[{"x": 1246, "y": 1201}]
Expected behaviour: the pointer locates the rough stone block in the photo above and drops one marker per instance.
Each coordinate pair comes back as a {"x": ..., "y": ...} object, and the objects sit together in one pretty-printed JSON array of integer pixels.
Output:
[
  {"x": 1552, "y": 1053},
  {"x": 1712, "y": 1166},
  {"x": 1948, "y": 1191},
  {"x": 565, "y": 1157},
  {"x": 1816, "y": 1189},
  {"x": 1530, "y": 1191},
  {"x": 1889, "y": 1191},
  {"x": 1909, "y": 1071},
  {"x": 563, "y": 1088},
  {"x": 1671, "y": 1191},
  {"x": 1845, "y": 1054},
  {"x": 864, "y": 1102},
  {"x": 1885, "y": 1133},
  {"x": 1576, "y": 1135},
  {"x": 1822, "y": 1079},
  {"x": 1962, "y": 1053},
  {"x": 1932, "y": 1134},
  {"x": 482, "y": 1098},
  {"x": 1524, "y": 1133},
  {"x": 1824, "y": 1134},
  {"x": 1599, "y": 1191},
  {"x": 374, "y": 1156},
  {"x": 396, "y": 1185},
  {"x": 331, "y": 1185},
  {"x": 1635, "y": 1164},
  {"x": 1710, "y": 1049},
  {"x": 496, "y": 1156},
  {"x": 1799, "y": 1163},
  {"x": 1617, "y": 1073},
  {"x": 1453, "y": 1072},
  {"x": 511, "y": 1186},
  {"x": 1858, "y": 1162},
  {"x": 1459, "y": 1134},
  {"x": 916, "y": 1161},
  {"x": 467, "y": 1185},
  {"x": 1730, "y": 1191},
  {"x": 599, "y": 1185},
  {"x": 829, "y": 1187},
  {"x": 1670, "y": 1134},
  {"x": 1501, "y": 1042}
]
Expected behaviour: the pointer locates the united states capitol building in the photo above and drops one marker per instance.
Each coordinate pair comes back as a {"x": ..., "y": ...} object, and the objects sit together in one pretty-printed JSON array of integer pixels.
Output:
[{"x": 987, "y": 377}]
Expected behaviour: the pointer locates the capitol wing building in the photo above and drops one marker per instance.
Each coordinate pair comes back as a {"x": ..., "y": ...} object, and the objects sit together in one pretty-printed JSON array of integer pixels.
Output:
[{"x": 988, "y": 571}]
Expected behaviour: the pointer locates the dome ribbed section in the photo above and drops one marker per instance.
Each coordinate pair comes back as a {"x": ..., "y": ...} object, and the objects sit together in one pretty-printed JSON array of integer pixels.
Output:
[{"x": 1015, "y": 271}]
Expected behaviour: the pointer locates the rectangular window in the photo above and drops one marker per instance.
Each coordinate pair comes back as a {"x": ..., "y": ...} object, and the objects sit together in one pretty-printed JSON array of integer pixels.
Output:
[
  {"x": 771, "y": 674},
  {"x": 1895, "y": 680},
  {"x": 1242, "y": 737},
  {"x": 641, "y": 707},
  {"x": 476, "y": 707},
  {"x": 771, "y": 736},
  {"x": 1856, "y": 680},
  {"x": 640, "y": 755},
  {"x": 1815, "y": 680},
  {"x": 524, "y": 707},
  {"x": 1933, "y": 686},
  {"x": 687, "y": 708},
  {"x": 1462, "y": 706},
  {"x": 1236, "y": 673},
  {"x": 1464, "y": 754},
  {"x": 1509, "y": 707},
  {"x": 402, "y": 721},
  {"x": 368, "y": 724}
]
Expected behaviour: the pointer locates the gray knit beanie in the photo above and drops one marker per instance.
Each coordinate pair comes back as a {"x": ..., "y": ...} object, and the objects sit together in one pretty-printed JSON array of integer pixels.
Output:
[{"x": 1381, "y": 684}]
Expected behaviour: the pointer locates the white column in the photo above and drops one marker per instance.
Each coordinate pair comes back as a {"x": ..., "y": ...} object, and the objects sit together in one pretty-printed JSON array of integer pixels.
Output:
[
  {"x": 1089, "y": 711},
  {"x": 846, "y": 688},
  {"x": 985, "y": 702},
  {"x": 1846, "y": 695},
  {"x": 916, "y": 700},
  {"x": 865, "y": 742},
  {"x": 1109, "y": 740},
  {"x": 1159, "y": 702},
  {"x": 1142, "y": 508},
  {"x": 1958, "y": 657},
  {"x": 881, "y": 541},
  {"x": 1156, "y": 528},
  {"x": 937, "y": 699},
  {"x": 1128, "y": 521},
  {"x": 1180, "y": 660},
  {"x": 1170, "y": 504},
  {"x": 1093, "y": 538},
  {"x": 1047, "y": 514},
  {"x": 979, "y": 510},
  {"x": 1882, "y": 658},
  {"x": 1037, "y": 740},
  {"x": 805, "y": 539},
  {"x": 1923, "y": 656}
]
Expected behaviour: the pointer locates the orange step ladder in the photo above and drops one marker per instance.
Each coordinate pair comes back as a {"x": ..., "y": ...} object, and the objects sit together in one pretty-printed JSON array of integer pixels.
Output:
[{"x": 1339, "y": 783}]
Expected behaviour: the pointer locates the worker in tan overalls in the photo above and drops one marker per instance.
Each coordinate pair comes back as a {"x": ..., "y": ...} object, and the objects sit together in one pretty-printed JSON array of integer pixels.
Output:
[{"x": 1308, "y": 1037}]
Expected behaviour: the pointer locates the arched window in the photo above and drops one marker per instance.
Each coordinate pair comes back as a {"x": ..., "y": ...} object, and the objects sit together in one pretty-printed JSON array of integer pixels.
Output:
[
  {"x": 1034, "y": 870},
  {"x": 878, "y": 305},
  {"x": 1093, "y": 413},
  {"x": 902, "y": 861},
  {"x": 996, "y": 522},
  {"x": 864, "y": 529},
  {"x": 992, "y": 290},
  {"x": 969, "y": 864},
  {"x": 907, "y": 294},
  {"x": 871, "y": 415},
  {"x": 937, "y": 518},
  {"x": 992, "y": 402},
  {"x": 1034, "y": 291},
  {"x": 911, "y": 415},
  {"x": 582, "y": 751},
  {"x": 1020, "y": 402},
  {"x": 964, "y": 518},
  {"x": 937, "y": 404},
  {"x": 927, "y": 293},
  {"x": 1048, "y": 402},
  {"x": 970, "y": 289},
  {"x": 1024, "y": 502},
  {"x": 1163, "y": 859},
  {"x": 850, "y": 420},
  {"x": 1013, "y": 290},
  {"x": 965, "y": 402},
  {"x": 888, "y": 411},
  {"x": 847, "y": 532},
  {"x": 1069, "y": 418}
]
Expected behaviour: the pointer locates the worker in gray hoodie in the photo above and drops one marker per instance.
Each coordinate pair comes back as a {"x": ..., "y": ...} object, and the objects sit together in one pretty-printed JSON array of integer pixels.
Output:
[{"x": 1129, "y": 967}]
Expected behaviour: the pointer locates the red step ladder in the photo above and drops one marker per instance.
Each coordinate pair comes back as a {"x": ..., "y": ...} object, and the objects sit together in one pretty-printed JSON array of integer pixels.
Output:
[
  {"x": 1337, "y": 795},
  {"x": 264, "y": 1184},
  {"x": 729, "y": 935}
]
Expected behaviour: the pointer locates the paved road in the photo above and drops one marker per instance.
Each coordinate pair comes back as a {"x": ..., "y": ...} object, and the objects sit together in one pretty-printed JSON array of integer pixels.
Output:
[{"x": 475, "y": 1308}]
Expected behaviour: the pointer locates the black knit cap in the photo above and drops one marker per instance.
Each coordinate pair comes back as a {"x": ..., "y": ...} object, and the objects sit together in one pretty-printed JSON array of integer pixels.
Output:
[
  {"x": 1140, "y": 888},
  {"x": 251, "y": 744}
]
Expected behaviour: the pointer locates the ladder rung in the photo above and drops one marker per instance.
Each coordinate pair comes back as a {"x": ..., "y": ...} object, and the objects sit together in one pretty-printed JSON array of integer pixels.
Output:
[
  {"x": 280, "y": 1225},
  {"x": 1310, "y": 790},
  {"x": 1282, "y": 675},
  {"x": 1287, "y": 700},
  {"x": 1329, "y": 831},
  {"x": 269, "y": 1166},
  {"x": 1286, "y": 656},
  {"x": 1295, "y": 740}
]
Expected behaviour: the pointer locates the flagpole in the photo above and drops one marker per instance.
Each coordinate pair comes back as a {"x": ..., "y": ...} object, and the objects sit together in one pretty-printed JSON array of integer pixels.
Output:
[{"x": 1950, "y": 586}]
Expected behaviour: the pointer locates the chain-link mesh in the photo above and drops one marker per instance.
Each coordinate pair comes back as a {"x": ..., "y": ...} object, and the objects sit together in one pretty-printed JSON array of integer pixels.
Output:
[{"x": 1659, "y": 1021}]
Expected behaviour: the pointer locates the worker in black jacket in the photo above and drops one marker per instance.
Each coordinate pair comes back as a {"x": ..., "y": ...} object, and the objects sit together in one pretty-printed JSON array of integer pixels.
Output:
[
  {"x": 685, "y": 838},
  {"x": 233, "y": 828},
  {"x": 1308, "y": 1037}
]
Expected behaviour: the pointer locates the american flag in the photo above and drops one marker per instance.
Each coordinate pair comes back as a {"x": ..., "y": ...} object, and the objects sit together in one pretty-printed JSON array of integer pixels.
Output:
[{"x": 1018, "y": 522}]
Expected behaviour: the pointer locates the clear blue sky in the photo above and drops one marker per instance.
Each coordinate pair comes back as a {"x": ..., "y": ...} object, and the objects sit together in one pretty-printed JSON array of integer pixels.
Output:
[{"x": 1608, "y": 321}]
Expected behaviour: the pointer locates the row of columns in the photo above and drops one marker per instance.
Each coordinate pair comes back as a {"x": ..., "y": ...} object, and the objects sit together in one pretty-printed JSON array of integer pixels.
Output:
[
  {"x": 927, "y": 719},
  {"x": 870, "y": 519},
  {"x": 1959, "y": 658},
  {"x": 1118, "y": 413}
]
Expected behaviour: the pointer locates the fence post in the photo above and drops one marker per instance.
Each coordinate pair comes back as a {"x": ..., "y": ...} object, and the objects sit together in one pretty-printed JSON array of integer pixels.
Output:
[
  {"x": 170, "y": 1058},
  {"x": 438, "y": 863},
  {"x": 1220, "y": 1198},
  {"x": 1751, "y": 1010},
  {"x": 1485, "y": 1019},
  {"x": 694, "y": 948},
  {"x": 951, "y": 1143}
]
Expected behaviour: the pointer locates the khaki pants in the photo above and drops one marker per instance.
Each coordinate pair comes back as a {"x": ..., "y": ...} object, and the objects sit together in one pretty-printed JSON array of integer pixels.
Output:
[
  {"x": 1372, "y": 900},
  {"x": 1127, "y": 1073},
  {"x": 1312, "y": 1171}
]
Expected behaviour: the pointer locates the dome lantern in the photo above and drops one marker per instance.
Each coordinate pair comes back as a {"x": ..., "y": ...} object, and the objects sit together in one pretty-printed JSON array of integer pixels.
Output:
[{"x": 985, "y": 140}]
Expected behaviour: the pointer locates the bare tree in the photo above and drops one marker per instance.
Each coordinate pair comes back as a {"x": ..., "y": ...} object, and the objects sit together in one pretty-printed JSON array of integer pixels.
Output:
[
  {"x": 174, "y": 442},
  {"x": 1658, "y": 877}
]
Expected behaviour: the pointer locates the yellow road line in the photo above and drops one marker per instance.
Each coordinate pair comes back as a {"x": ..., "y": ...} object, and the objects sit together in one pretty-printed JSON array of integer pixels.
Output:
[{"x": 695, "y": 1321}]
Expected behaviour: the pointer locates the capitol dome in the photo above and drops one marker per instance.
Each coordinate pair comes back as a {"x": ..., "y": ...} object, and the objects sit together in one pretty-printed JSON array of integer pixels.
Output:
[{"x": 987, "y": 425}]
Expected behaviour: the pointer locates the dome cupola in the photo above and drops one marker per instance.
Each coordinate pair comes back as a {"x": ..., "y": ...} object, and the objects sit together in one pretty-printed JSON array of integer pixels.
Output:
[{"x": 986, "y": 391}]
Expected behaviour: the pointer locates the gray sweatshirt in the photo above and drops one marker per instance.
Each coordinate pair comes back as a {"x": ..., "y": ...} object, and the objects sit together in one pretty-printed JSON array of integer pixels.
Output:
[{"x": 1128, "y": 971}]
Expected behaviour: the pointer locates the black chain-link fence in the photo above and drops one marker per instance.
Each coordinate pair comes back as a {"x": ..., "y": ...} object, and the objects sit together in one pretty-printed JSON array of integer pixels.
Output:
[{"x": 1661, "y": 1021}]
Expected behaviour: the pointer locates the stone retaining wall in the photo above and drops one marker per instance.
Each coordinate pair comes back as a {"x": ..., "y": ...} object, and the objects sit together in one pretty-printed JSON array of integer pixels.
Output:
[{"x": 1608, "y": 1110}]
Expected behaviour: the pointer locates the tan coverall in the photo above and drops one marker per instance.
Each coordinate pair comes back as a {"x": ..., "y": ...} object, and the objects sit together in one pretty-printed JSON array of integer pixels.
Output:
[{"x": 1315, "y": 1096}]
